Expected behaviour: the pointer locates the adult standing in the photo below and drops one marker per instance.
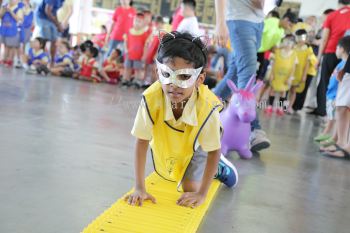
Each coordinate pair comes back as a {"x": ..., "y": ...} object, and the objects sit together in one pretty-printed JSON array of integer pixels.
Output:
[
  {"x": 47, "y": 22},
  {"x": 63, "y": 15},
  {"x": 122, "y": 22},
  {"x": 334, "y": 28},
  {"x": 244, "y": 25}
]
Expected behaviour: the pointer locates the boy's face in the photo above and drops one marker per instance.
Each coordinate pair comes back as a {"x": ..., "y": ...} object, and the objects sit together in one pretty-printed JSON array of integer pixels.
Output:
[
  {"x": 35, "y": 44},
  {"x": 177, "y": 94},
  {"x": 185, "y": 10},
  {"x": 301, "y": 39},
  {"x": 339, "y": 52},
  {"x": 62, "y": 49},
  {"x": 138, "y": 22}
]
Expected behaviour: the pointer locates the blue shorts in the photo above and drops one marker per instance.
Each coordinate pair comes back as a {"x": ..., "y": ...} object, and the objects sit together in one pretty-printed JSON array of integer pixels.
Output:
[
  {"x": 47, "y": 29},
  {"x": 135, "y": 64}
]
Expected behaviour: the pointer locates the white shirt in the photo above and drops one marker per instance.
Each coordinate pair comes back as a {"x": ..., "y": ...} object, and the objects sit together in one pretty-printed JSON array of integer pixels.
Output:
[
  {"x": 244, "y": 10},
  {"x": 190, "y": 25}
]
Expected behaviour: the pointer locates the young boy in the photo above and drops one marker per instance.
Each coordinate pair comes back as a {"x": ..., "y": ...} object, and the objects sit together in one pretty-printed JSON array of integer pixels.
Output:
[
  {"x": 179, "y": 118},
  {"x": 64, "y": 65},
  {"x": 135, "y": 41},
  {"x": 325, "y": 138},
  {"x": 189, "y": 23}
]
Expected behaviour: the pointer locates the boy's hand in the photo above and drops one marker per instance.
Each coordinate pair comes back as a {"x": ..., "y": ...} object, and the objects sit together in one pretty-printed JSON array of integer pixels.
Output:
[
  {"x": 138, "y": 196},
  {"x": 191, "y": 199}
]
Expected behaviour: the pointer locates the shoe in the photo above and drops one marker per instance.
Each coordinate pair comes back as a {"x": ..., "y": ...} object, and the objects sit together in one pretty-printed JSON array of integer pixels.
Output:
[
  {"x": 8, "y": 64},
  {"x": 259, "y": 141},
  {"x": 126, "y": 83},
  {"x": 290, "y": 111},
  {"x": 279, "y": 112},
  {"x": 18, "y": 65},
  {"x": 31, "y": 71},
  {"x": 227, "y": 173},
  {"x": 268, "y": 110}
]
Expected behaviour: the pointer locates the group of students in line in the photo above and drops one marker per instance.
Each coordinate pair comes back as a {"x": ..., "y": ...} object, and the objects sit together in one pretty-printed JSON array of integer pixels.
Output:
[{"x": 17, "y": 18}]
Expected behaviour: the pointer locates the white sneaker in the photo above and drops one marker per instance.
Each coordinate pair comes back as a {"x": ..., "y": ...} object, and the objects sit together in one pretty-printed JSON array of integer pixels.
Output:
[
  {"x": 259, "y": 141},
  {"x": 19, "y": 64}
]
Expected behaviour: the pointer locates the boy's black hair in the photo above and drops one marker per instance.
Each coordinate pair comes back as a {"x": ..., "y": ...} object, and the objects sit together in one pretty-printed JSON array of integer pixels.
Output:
[
  {"x": 344, "y": 2},
  {"x": 104, "y": 27},
  {"x": 275, "y": 14},
  {"x": 75, "y": 48},
  {"x": 85, "y": 45},
  {"x": 190, "y": 3},
  {"x": 185, "y": 46},
  {"x": 159, "y": 19},
  {"x": 345, "y": 43},
  {"x": 328, "y": 11},
  {"x": 300, "y": 32},
  {"x": 290, "y": 37},
  {"x": 42, "y": 42},
  {"x": 291, "y": 16},
  {"x": 93, "y": 51},
  {"x": 120, "y": 55}
]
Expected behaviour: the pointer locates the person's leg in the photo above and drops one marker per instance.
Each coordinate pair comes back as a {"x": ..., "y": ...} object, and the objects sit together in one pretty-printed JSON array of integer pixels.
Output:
[
  {"x": 222, "y": 90},
  {"x": 343, "y": 124},
  {"x": 113, "y": 44},
  {"x": 292, "y": 96},
  {"x": 329, "y": 62},
  {"x": 301, "y": 97}
]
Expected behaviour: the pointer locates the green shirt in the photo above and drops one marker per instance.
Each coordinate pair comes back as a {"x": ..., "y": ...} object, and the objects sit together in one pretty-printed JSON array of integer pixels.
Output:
[{"x": 272, "y": 34}]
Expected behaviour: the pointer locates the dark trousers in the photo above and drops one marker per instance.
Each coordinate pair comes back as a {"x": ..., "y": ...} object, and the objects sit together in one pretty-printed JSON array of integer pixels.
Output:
[
  {"x": 300, "y": 98},
  {"x": 263, "y": 64},
  {"x": 329, "y": 62}
]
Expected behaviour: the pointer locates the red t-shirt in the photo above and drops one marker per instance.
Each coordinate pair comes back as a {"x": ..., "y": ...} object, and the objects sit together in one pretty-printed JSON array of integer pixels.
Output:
[
  {"x": 152, "y": 49},
  {"x": 123, "y": 19},
  {"x": 338, "y": 22},
  {"x": 136, "y": 44},
  {"x": 177, "y": 18},
  {"x": 100, "y": 39},
  {"x": 111, "y": 74}
]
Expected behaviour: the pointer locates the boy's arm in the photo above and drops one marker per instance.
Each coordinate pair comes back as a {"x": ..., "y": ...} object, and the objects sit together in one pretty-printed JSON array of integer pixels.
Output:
[
  {"x": 306, "y": 70},
  {"x": 194, "y": 199},
  {"x": 139, "y": 195}
]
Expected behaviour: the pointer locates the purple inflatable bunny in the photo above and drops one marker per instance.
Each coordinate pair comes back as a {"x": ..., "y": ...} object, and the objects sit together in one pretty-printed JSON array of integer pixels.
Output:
[{"x": 236, "y": 119}]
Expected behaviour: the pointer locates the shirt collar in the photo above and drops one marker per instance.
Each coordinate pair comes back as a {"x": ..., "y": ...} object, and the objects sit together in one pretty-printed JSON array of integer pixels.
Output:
[{"x": 189, "y": 114}]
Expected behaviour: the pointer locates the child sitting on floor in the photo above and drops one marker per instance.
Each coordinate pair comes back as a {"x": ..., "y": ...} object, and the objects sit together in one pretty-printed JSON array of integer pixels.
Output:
[
  {"x": 64, "y": 65},
  {"x": 36, "y": 56},
  {"x": 110, "y": 71},
  {"x": 179, "y": 117},
  {"x": 89, "y": 65}
]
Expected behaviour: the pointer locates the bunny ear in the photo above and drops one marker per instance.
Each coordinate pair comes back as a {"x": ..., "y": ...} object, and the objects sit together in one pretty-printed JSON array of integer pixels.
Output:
[
  {"x": 232, "y": 86},
  {"x": 257, "y": 87},
  {"x": 162, "y": 33},
  {"x": 205, "y": 40},
  {"x": 250, "y": 83}
]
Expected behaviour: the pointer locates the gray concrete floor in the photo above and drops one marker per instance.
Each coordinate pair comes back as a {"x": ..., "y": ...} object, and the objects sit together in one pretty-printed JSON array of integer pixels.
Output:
[{"x": 67, "y": 155}]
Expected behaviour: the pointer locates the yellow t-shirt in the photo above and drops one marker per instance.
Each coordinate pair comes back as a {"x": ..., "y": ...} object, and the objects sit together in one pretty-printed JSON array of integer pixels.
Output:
[
  {"x": 282, "y": 69},
  {"x": 62, "y": 13},
  {"x": 209, "y": 138}
]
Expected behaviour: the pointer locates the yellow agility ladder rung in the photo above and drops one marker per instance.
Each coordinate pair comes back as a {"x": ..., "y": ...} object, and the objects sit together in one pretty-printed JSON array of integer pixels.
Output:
[{"x": 163, "y": 217}]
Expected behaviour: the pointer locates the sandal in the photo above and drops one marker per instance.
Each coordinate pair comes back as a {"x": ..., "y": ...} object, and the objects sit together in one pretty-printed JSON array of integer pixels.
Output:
[
  {"x": 328, "y": 142},
  {"x": 322, "y": 137},
  {"x": 330, "y": 148},
  {"x": 332, "y": 154}
]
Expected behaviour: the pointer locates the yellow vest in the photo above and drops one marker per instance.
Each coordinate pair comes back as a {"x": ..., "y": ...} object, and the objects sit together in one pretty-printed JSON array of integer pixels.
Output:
[
  {"x": 172, "y": 149},
  {"x": 282, "y": 70}
]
